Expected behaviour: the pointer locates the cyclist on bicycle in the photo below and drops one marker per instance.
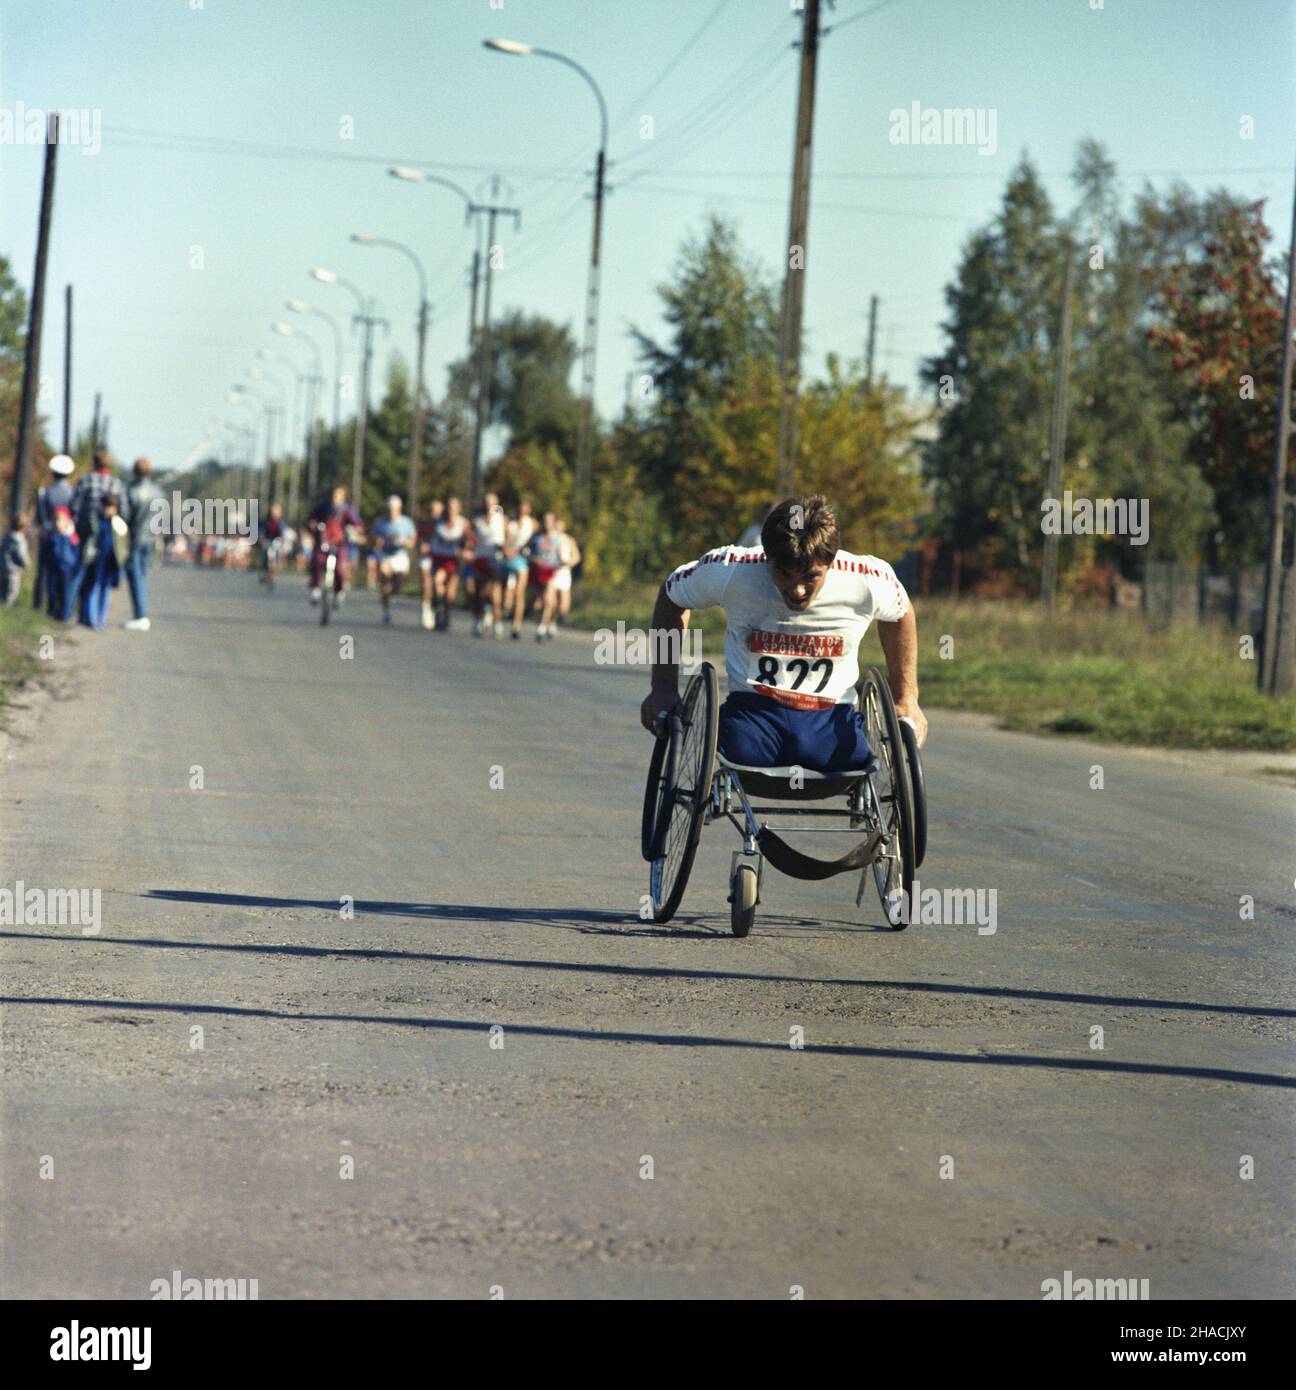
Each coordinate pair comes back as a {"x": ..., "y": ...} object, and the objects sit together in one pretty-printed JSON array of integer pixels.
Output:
[
  {"x": 333, "y": 523},
  {"x": 796, "y": 606}
]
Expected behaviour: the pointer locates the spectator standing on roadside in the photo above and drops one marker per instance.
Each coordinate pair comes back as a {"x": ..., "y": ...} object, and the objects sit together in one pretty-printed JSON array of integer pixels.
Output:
[
  {"x": 87, "y": 509},
  {"x": 57, "y": 493},
  {"x": 65, "y": 565},
  {"x": 104, "y": 556},
  {"x": 14, "y": 558},
  {"x": 140, "y": 496}
]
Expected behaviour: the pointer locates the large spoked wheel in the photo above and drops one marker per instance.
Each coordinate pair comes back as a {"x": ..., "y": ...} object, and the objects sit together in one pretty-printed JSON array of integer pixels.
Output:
[
  {"x": 918, "y": 786},
  {"x": 661, "y": 776},
  {"x": 893, "y": 869},
  {"x": 680, "y": 791}
]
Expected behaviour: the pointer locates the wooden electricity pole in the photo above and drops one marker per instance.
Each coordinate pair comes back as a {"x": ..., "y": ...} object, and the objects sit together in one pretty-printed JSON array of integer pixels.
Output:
[
  {"x": 31, "y": 361},
  {"x": 794, "y": 277}
]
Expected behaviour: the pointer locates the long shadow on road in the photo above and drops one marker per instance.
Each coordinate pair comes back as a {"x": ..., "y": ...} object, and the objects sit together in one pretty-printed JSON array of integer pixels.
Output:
[
  {"x": 617, "y": 921},
  {"x": 460, "y": 1025}
]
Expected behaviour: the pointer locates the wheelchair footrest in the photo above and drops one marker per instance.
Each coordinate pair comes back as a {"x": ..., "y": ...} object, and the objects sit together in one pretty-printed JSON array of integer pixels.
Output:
[{"x": 797, "y": 865}]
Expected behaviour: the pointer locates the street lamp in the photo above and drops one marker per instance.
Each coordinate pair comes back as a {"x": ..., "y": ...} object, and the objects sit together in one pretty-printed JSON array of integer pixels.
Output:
[
  {"x": 585, "y": 437},
  {"x": 290, "y": 460},
  {"x": 416, "y": 430},
  {"x": 300, "y": 306},
  {"x": 315, "y": 381},
  {"x": 366, "y": 317},
  {"x": 408, "y": 175},
  {"x": 239, "y": 397},
  {"x": 273, "y": 409}
]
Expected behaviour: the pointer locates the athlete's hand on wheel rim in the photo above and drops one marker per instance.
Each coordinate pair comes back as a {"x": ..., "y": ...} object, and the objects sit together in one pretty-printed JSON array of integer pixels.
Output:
[
  {"x": 658, "y": 703},
  {"x": 908, "y": 709}
]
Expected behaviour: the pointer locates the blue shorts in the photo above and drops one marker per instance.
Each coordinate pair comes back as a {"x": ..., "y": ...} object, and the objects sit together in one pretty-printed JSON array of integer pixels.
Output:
[{"x": 757, "y": 731}]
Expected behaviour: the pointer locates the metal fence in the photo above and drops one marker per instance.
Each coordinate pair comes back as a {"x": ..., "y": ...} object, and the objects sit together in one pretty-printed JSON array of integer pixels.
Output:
[{"x": 1176, "y": 594}]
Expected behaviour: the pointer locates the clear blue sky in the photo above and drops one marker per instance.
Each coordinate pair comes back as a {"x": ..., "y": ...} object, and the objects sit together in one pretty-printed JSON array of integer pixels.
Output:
[{"x": 1163, "y": 83}]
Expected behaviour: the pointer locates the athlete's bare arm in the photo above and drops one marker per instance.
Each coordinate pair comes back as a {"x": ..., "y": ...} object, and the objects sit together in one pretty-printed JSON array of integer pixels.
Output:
[
  {"x": 900, "y": 647},
  {"x": 667, "y": 617}
]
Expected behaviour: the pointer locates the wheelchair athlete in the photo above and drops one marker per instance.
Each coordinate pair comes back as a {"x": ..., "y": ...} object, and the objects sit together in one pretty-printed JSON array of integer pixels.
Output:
[{"x": 797, "y": 606}]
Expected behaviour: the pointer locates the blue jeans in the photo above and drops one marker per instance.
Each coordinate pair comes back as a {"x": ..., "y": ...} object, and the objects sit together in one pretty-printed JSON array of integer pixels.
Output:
[
  {"x": 72, "y": 590},
  {"x": 757, "y": 731},
  {"x": 137, "y": 577}
]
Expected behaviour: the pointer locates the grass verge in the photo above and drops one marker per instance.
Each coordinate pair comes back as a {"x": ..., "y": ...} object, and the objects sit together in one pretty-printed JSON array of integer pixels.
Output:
[
  {"x": 21, "y": 628},
  {"x": 1089, "y": 672}
]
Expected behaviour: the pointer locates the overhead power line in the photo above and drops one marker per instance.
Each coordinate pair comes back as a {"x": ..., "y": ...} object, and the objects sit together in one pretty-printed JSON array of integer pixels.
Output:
[{"x": 636, "y": 102}]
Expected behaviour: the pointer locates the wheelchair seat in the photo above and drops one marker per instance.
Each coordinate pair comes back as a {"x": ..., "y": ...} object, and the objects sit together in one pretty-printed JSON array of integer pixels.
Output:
[{"x": 776, "y": 782}]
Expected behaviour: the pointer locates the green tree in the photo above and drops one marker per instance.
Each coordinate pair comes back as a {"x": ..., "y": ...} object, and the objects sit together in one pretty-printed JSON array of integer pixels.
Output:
[
  {"x": 530, "y": 390},
  {"x": 993, "y": 380},
  {"x": 13, "y": 337},
  {"x": 1123, "y": 437},
  {"x": 722, "y": 313},
  {"x": 1221, "y": 331}
]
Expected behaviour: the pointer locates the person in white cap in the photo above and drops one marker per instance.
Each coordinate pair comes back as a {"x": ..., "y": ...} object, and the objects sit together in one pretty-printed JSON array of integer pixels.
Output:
[
  {"x": 393, "y": 538},
  {"x": 56, "y": 493}
]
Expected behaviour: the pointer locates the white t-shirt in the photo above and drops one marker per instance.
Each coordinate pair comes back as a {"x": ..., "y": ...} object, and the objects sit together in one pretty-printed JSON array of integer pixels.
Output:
[
  {"x": 490, "y": 533},
  {"x": 807, "y": 660},
  {"x": 520, "y": 531},
  {"x": 447, "y": 537}
]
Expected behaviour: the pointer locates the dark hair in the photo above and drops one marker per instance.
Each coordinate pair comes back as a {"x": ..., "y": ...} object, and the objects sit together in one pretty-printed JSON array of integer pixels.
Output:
[
  {"x": 102, "y": 459},
  {"x": 801, "y": 532}
]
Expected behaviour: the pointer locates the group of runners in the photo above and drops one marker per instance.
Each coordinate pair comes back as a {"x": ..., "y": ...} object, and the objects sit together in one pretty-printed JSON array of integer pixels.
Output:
[{"x": 506, "y": 564}]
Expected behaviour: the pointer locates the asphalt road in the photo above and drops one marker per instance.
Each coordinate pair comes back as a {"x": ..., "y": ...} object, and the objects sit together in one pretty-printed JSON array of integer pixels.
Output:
[{"x": 328, "y": 1037}]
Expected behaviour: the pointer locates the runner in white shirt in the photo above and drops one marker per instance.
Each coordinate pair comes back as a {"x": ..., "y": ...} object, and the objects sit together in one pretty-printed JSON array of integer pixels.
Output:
[
  {"x": 571, "y": 557},
  {"x": 444, "y": 546},
  {"x": 796, "y": 608},
  {"x": 520, "y": 531},
  {"x": 490, "y": 532}
]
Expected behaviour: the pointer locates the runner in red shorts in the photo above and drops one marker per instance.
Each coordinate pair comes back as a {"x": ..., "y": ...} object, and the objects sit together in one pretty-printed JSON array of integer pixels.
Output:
[
  {"x": 546, "y": 560},
  {"x": 445, "y": 545},
  {"x": 436, "y": 510}
]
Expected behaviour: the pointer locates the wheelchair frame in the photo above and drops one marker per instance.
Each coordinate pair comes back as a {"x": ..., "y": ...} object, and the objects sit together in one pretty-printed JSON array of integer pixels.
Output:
[{"x": 891, "y": 820}]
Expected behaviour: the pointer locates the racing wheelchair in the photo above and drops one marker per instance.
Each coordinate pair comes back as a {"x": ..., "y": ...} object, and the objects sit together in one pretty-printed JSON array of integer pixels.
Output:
[{"x": 883, "y": 806}]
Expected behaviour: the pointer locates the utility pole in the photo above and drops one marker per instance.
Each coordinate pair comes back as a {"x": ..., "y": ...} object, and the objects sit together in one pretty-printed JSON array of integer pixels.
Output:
[
  {"x": 67, "y": 371},
  {"x": 484, "y": 342},
  {"x": 872, "y": 338},
  {"x": 589, "y": 353},
  {"x": 466, "y": 481},
  {"x": 416, "y": 428},
  {"x": 1057, "y": 433},
  {"x": 794, "y": 277},
  {"x": 1277, "y": 672},
  {"x": 370, "y": 322},
  {"x": 314, "y": 381},
  {"x": 273, "y": 460},
  {"x": 31, "y": 361}
]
